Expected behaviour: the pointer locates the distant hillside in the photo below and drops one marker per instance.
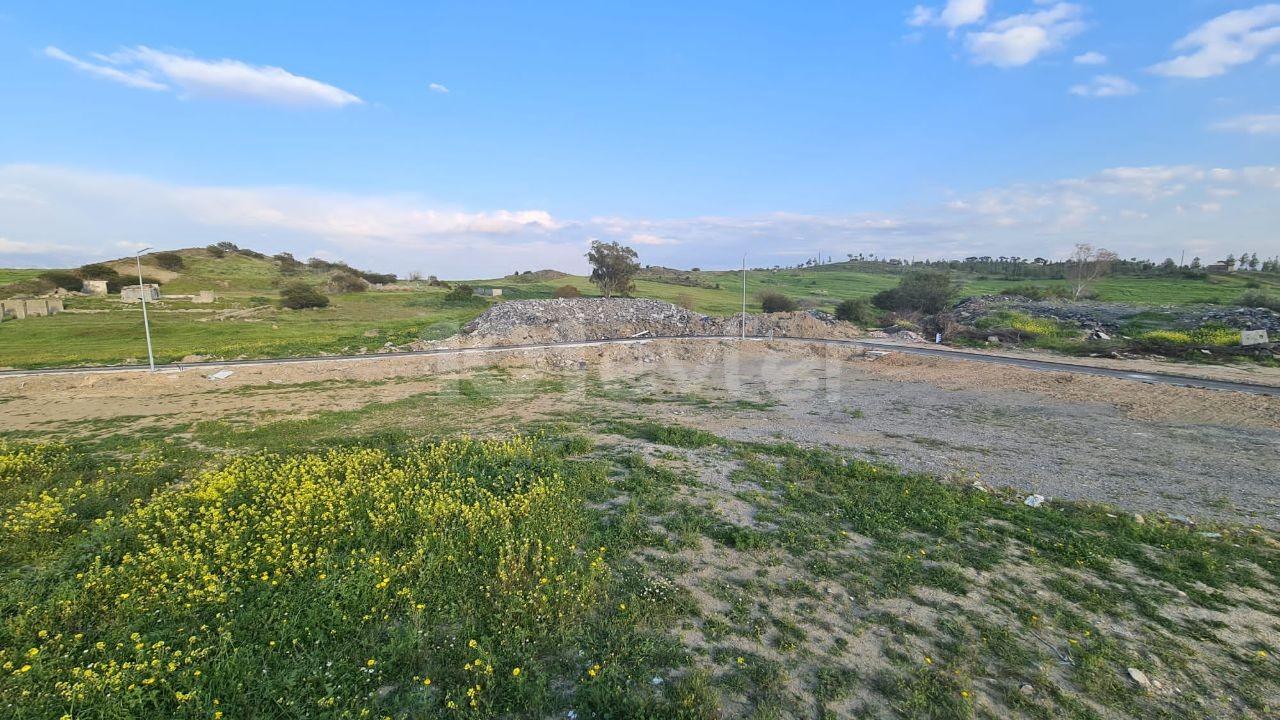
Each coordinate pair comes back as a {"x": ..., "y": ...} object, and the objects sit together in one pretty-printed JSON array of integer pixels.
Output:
[{"x": 225, "y": 269}]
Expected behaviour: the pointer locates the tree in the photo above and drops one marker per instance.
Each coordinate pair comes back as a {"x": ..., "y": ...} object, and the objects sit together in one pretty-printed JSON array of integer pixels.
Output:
[
  {"x": 215, "y": 251},
  {"x": 1195, "y": 263},
  {"x": 1086, "y": 265},
  {"x": 776, "y": 302},
  {"x": 1230, "y": 262},
  {"x": 924, "y": 291},
  {"x": 613, "y": 267},
  {"x": 567, "y": 291},
  {"x": 857, "y": 310},
  {"x": 98, "y": 271},
  {"x": 1253, "y": 261},
  {"x": 64, "y": 279},
  {"x": 168, "y": 261},
  {"x": 299, "y": 295}
]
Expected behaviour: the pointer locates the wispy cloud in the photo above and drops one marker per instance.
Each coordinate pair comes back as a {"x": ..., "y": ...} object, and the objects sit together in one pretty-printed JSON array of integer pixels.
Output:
[
  {"x": 1251, "y": 124},
  {"x": 65, "y": 216},
  {"x": 1090, "y": 58},
  {"x": 1020, "y": 39},
  {"x": 192, "y": 77},
  {"x": 1231, "y": 39},
  {"x": 437, "y": 87},
  {"x": 954, "y": 14},
  {"x": 1102, "y": 86}
]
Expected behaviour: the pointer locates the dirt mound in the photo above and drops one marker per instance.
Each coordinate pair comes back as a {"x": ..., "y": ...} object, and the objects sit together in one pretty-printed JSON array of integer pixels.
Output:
[{"x": 568, "y": 320}]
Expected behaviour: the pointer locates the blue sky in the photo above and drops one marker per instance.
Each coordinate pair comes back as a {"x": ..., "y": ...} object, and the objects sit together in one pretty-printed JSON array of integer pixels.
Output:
[{"x": 473, "y": 139}]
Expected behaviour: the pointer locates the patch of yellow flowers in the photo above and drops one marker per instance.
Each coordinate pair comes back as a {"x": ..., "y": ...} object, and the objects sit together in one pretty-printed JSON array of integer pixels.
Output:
[{"x": 302, "y": 581}]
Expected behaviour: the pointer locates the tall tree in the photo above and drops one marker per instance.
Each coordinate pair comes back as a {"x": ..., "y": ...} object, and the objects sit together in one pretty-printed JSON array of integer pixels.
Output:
[
  {"x": 1086, "y": 265},
  {"x": 612, "y": 267}
]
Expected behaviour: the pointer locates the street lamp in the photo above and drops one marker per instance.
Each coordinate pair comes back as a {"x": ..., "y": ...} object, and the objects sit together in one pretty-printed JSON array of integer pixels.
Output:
[
  {"x": 744, "y": 296},
  {"x": 146, "y": 325}
]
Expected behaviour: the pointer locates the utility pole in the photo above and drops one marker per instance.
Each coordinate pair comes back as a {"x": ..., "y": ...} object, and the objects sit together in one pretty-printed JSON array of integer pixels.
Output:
[
  {"x": 146, "y": 325},
  {"x": 744, "y": 296}
]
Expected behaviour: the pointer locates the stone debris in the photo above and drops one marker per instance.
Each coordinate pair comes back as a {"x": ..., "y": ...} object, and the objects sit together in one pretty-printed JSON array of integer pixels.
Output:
[
  {"x": 1102, "y": 320},
  {"x": 577, "y": 319},
  {"x": 1034, "y": 501},
  {"x": 1140, "y": 678}
]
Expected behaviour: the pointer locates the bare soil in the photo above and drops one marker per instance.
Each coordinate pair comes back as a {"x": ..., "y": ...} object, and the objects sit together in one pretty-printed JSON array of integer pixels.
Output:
[{"x": 1202, "y": 453}]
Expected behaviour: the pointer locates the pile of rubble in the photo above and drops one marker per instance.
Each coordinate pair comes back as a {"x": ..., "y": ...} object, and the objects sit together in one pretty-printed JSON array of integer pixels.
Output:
[
  {"x": 1100, "y": 318},
  {"x": 574, "y": 319}
]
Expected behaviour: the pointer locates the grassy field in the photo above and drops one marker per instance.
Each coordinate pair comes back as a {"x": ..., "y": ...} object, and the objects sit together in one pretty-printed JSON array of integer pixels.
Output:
[
  {"x": 372, "y": 563},
  {"x": 104, "y": 331}
]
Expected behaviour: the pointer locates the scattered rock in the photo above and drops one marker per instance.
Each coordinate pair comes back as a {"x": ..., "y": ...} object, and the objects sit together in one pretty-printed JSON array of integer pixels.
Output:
[
  {"x": 372, "y": 333},
  {"x": 1182, "y": 520},
  {"x": 1140, "y": 678},
  {"x": 1139, "y": 519},
  {"x": 1027, "y": 690},
  {"x": 1034, "y": 501}
]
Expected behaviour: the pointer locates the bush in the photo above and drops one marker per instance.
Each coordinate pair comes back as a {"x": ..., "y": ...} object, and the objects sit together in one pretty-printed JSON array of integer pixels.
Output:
[
  {"x": 923, "y": 291},
  {"x": 215, "y": 251},
  {"x": 300, "y": 295},
  {"x": 98, "y": 271},
  {"x": 567, "y": 291},
  {"x": 64, "y": 279},
  {"x": 168, "y": 261},
  {"x": 1259, "y": 300},
  {"x": 776, "y": 302},
  {"x": 346, "y": 282},
  {"x": 36, "y": 286},
  {"x": 857, "y": 311},
  {"x": 459, "y": 293},
  {"x": 1036, "y": 292}
]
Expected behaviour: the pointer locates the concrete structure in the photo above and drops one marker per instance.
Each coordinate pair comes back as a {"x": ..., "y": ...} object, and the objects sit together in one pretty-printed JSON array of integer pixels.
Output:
[
  {"x": 1219, "y": 268},
  {"x": 133, "y": 293},
  {"x": 94, "y": 287},
  {"x": 203, "y": 297},
  {"x": 22, "y": 309},
  {"x": 489, "y": 292},
  {"x": 1253, "y": 337}
]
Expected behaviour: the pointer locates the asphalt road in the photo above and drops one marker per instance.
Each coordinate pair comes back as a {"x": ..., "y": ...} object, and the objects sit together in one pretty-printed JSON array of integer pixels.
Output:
[{"x": 924, "y": 350}]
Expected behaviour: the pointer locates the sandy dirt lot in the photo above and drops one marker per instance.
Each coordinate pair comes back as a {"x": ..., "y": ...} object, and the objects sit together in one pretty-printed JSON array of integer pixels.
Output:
[{"x": 1146, "y": 448}]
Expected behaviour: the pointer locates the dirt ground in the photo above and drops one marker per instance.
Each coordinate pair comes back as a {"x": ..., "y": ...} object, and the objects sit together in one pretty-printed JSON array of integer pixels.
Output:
[{"x": 1201, "y": 453}]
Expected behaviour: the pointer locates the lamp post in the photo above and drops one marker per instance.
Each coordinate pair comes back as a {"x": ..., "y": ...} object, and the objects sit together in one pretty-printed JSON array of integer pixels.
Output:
[
  {"x": 146, "y": 325},
  {"x": 744, "y": 296}
]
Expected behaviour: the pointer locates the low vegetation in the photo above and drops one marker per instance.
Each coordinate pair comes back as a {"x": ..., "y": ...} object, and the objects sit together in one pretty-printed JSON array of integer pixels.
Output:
[{"x": 300, "y": 295}]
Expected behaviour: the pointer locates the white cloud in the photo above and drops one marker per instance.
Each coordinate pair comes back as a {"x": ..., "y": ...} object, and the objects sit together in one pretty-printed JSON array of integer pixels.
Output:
[
  {"x": 1232, "y": 39},
  {"x": 651, "y": 239},
  {"x": 1102, "y": 86},
  {"x": 136, "y": 78},
  {"x": 1019, "y": 39},
  {"x": 956, "y": 13},
  {"x": 437, "y": 87},
  {"x": 143, "y": 67},
  {"x": 1251, "y": 124},
  {"x": 1090, "y": 58},
  {"x": 66, "y": 217}
]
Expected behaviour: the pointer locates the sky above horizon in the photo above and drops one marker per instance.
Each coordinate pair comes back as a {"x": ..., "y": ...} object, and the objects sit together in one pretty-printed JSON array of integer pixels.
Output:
[{"x": 476, "y": 139}]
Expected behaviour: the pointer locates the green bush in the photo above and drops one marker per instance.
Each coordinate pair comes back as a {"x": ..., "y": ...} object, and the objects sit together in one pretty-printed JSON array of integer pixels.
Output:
[
  {"x": 923, "y": 291},
  {"x": 168, "y": 261},
  {"x": 1258, "y": 299},
  {"x": 857, "y": 310},
  {"x": 64, "y": 279},
  {"x": 215, "y": 251},
  {"x": 98, "y": 271},
  {"x": 567, "y": 291},
  {"x": 776, "y": 302},
  {"x": 300, "y": 295},
  {"x": 342, "y": 281},
  {"x": 460, "y": 293}
]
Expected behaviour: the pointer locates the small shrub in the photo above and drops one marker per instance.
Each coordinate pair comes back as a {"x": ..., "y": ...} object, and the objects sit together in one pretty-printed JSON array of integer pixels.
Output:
[
  {"x": 98, "y": 271},
  {"x": 346, "y": 282},
  {"x": 1255, "y": 299},
  {"x": 1036, "y": 292},
  {"x": 459, "y": 293},
  {"x": 923, "y": 291},
  {"x": 776, "y": 302},
  {"x": 567, "y": 291},
  {"x": 215, "y": 251},
  {"x": 257, "y": 300},
  {"x": 856, "y": 310},
  {"x": 300, "y": 295},
  {"x": 170, "y": 261},
  {"x": 62, "y": 278}
]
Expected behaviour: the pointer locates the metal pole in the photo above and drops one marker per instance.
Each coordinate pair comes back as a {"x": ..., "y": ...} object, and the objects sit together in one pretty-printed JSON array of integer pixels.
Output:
[
  {"x": 744, "y": 296},
  {"x": 146, "y": 324}
]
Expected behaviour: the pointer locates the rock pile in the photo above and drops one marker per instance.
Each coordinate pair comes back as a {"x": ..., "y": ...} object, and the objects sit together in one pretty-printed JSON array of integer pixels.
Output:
[
  {"x": 1107, "y": 318},
  {"x": 572, "y": 319}
]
